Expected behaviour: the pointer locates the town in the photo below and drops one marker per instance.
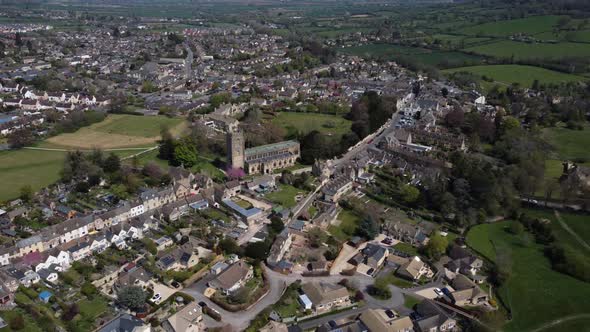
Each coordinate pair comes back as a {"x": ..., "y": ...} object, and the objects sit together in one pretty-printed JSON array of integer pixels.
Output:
[{"x": 164, "y": 174}]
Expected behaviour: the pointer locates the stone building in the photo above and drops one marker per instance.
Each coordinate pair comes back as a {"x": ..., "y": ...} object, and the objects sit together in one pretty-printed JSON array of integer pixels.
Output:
[
  {"x": 261, "y": 159},
  {"x": 235, "y": 149}
]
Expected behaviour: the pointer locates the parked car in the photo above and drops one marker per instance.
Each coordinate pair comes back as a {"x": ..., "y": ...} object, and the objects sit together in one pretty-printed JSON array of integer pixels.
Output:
[
  {"x": 156, "y": 298},
  {"x": 439, "y": 292}
]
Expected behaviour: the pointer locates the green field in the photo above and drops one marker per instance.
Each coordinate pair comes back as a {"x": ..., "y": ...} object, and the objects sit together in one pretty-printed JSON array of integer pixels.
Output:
[
  {"x": 28, "y": 167},
  {"x": 535, "y": 293},
  {"x": 348, "y": 224},
  {"x": 526, "y": 51},
  {"x": 92, "y": 309},
  {"x": 119, "y": 131},
  {"x": 443, "y": 59},
  {"x": 568, "y": 143},
  {"x": 382, "y": 50},
  {"x": 578, "y": 223},
  {"x": 523, "y": 75},
  {"x": 134, "y": 125},
  {"x": 204, "y": 164},
  {"x": 331, "y": 125},
  {"x": 285, "y": 195},
  {"x": 529, "y": 25}
]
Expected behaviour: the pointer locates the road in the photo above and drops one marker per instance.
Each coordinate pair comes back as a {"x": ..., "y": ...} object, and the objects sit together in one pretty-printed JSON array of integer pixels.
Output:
[
  {"x": 278, "y": 283},
  {"x": 370, "y": 141}
]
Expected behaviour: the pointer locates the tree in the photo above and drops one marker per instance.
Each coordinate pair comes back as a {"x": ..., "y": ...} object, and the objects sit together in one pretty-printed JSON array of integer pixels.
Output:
[
  {"x": 436, "y": 246},
  {"x": 229, "y": 246},
  {"x": 72, "y": 311},
  {"x": 185, "y": 153},
  {"x": 410, "y": 193},
  {"x": 148, "y": 87},
  {"x": 17, "y": 323},
  {"x": 276, "y": 224},
  {"x": 257, "y": 250},
  {"x": 220, "y": 98},
  {"x": 167, "y": 145},
  {"x": 150, "y": 245},
  {"x": 516, "y": 228},
  {"x": 132, "y": 297},
  {"x": 316, "y": 237},
  {"x": 112, "y": 164},
  {"x": 368, "y": 228},
  {"x": 26, "y": 193},
  {"x": 445, "y": 92},
  {"x": 509, "y": 123},
  {"x": 88, "y": 289},
  {"x": 18, "y": 39},
  {"x": 20, "y": 138}
]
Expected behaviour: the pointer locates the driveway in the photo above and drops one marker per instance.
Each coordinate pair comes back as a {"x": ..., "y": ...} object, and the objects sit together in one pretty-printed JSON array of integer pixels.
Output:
[{"x": 163, "y": 290}]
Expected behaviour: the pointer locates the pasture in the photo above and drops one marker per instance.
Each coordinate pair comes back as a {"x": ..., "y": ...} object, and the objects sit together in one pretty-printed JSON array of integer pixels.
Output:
[
  {"x": 330, "y": 125},
  {"x": 37, "y": 168},
  {"x": 118, "y": 131},
  {"x": 523, "y": 75},
  {"x": 527, "y": 51},
  {"x": 442, "y": 59},
  {"x": 28, "y": 167},
  {"x": 530, "y": 26},
  {"x": 532, "y": 282},
  {"x": 569, "y": 144},
  {"x": 382, "y": 50}
]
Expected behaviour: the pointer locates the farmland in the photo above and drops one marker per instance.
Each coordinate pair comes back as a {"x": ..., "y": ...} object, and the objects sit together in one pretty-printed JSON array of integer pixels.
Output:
[
  {"x": 532, "y": 281},
  {"x": 118, "y": 131},
  {"x": 28, "y": 167},
  {"x": 382, "y": 50},
  {"x": 528, "y": 51},
  {"x": 568, "y": 143},
  {"x": 331, "y": 125},
  {"x": 443, "y": 59},
  {"x": 530, "y": 25},
  {"x": 523, "y": 75}
]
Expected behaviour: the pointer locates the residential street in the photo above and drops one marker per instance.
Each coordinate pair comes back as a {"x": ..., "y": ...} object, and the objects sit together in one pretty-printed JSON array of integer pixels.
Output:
[{"x": 278, "y": 283}]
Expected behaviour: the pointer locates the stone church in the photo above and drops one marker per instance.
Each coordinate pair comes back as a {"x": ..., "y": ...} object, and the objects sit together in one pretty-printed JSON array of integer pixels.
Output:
[{"x": 260, "y": 159}]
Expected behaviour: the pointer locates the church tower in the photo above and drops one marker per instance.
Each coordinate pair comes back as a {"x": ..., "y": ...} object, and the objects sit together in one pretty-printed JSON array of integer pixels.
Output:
[{"x": 235, "y": 149}]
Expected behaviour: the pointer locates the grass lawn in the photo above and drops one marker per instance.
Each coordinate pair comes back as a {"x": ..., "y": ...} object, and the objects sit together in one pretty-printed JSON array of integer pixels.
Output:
[
  {"x": 577, "y": 222},
  {"x": 289, "y": 309},
  {"x": 204, "y": 164},
  {"x": 347, "y": 227},
  {"x": 30, "y": 325},
  {"x": 216, "y": 214},
  {"x": 285, "y": 195},
  {"x": 410, "y": 301},
  {"x": 407, "y": 248},
  {"x": 119, "y": 131},
  {"x": 244, "y": 204},
  {"x": 524, "y": 75},
  {"x": 28, "y": 167},
  {"x": 396, "y": 281},
  {"x": 92, "y": 309},
  {"x": 328, "y": 124},
  {"x": 523, "y": 51},
  {"x": 569, "y": 143},
  {"x": 535, "y": 293}
]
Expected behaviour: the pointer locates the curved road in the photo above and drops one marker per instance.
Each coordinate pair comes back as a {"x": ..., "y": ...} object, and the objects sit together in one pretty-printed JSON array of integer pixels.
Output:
[{"x": 278, "y": 283}]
